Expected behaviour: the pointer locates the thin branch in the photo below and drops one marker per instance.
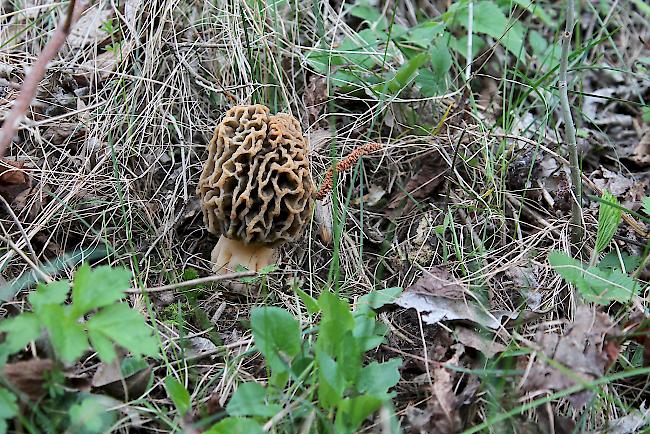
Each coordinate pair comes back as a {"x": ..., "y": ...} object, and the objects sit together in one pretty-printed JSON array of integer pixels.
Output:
[
  {"x": 193, "y": 282},
  {"x": 35, "y": 75},
  {"x": 577, "y": 232}
]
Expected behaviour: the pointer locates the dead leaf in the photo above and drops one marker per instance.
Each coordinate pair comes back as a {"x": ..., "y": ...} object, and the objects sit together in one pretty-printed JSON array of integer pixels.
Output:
[
  {"x": 438, "y": 296},
  {"x": 473, "y": 339},
  {"x": 110, "y": 380},
  {"x": 641, "y": 153},
  {"x": 422, "y": 185},
  {"x": 631, "y": 423},
  {"x": 89, "y": 29},
  {"x": 580, "y": 349},
  {"x": 315, "y": 97},
  {"x": 616, "y": 183},
  {"x": 29, "y": 376},
  {"x": 372, "y": 198},
  {"x": 441, "y": 414},
  {"x": 13, "y": 179}
]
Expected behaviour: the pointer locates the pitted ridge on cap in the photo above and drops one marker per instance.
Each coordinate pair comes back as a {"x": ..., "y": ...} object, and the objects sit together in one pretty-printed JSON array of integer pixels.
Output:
[{"x": 256, "y": 185}]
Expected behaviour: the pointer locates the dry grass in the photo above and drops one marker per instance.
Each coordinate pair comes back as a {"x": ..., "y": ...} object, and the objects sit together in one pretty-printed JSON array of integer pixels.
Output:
[{"x": 115, "y": 140}]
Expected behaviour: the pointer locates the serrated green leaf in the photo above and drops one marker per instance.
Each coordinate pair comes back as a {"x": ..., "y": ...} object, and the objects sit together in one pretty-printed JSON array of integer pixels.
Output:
[
  {"x": 124, "y": 326},
  {"x": 236, "y": 425},
  {"x": 376, "y": 378},
  {"x": 609, "y": 217},
  {"x": 92, "y": 415},
  {"x": 612, "y": 261},
  {"x": 98, "y": 287},
  {"x": 250, "y": 400},
  {"x": 178, "y": 394},
  {"x": 277, "y": 336},
  {"x": 51, "y": 293},
  {"x": 66, "y": 334},
  {"x": 21, "y": 330}
]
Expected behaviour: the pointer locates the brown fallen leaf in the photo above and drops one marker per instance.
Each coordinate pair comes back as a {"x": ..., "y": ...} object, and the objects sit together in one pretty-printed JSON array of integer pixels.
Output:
[
  {"x": 581, "y": 350},
  {"x": 437, "y": 296},
  {"x": 422, "y": 185},
  {"x": 29, "y": 376},
  {"x": 108, "y": 379},
  {"x": 441, "y": 414},
  {"x": 641, "y": 153},
  {"x": 315, "y": 97},
  {"x": 13, "y": 179},
  {"x": 90, "y": 28},
  {"x": 473, "y": 339}
]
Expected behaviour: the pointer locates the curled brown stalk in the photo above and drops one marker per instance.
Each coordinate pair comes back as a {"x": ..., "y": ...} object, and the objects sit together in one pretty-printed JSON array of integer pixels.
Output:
[
  {"x": 346, "y": 164},
  {"x": 35, "y": 75}
]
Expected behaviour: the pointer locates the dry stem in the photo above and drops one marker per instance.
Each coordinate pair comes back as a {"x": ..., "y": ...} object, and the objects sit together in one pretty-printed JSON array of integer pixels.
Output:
[{"x": 35, "y": 75}]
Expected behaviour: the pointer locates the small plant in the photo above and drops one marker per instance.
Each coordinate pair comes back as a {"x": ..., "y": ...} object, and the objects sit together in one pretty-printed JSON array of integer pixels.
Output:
[
  {"x": 95, "y": 318},
  {"x": 600, "y": 281},
  {"x": 316, "y": 375}
]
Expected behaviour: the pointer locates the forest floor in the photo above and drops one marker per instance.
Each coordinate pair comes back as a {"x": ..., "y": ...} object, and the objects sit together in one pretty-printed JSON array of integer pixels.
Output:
[{"x": 503, "y": 324}]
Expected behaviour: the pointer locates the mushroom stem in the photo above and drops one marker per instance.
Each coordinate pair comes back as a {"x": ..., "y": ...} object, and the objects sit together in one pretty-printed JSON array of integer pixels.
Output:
[{"x": 228, "y": 254}]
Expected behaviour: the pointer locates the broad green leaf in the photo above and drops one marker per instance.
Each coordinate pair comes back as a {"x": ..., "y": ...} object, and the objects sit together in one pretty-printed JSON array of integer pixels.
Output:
[
  {"x": 92, "y": 415},
  {"x": 367, "y": 12},
  {"x": 376, "y": 378},
  {"x": 8, "y": 406},
  {"x": 537, "y": 9},
  {"x": 331, "y": 381},
  {"x": 595, "y": 285},
  {"x": 250, "y": 400},
  {"x": 407, "y": 72},
  {"x": 612, "y": 261},
  {"x": 277, "y": 335},
  {"x": 123, "y": 326},
  {"x": 66, "y": 333},
  {"x": 336, "y": 321},
  {"x": 21, "y": 330},
  {"x": 646, "y": 205},
  {"x": 376, "y": 299},
  {"x": 424, "y": 34},
  {"x": 98, "y": 287},
  {"x": 609, "y": 217},
  {"x": 310, "y": 302},
  {"x": 353, "y": 411},
  {"x": 489, "y": 19},
  {"x": 236, "y": 425},
  {"x": 51, "y": 293},
  {"x": 178, "y": 394}
]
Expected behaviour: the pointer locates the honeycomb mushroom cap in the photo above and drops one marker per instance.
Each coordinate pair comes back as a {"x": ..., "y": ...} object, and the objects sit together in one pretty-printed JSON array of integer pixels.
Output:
[{"x": 256, "y": 185}]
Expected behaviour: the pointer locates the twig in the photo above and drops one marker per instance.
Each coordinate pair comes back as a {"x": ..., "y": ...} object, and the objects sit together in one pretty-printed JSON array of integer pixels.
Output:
[
  {"x": 22, "y": 254},
  {"x": 577, "y": 232},
  {"x": 470, "y": 30},
  {"x": 20, "y": 228},
  {"x": 193, "y": 282},
  {"x": 35, "y": 75}
]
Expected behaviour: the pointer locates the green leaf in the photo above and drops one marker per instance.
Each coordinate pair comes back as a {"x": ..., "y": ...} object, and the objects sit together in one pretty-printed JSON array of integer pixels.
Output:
[
  {"x": 612, "y": 261},
  {"x": 236, "y": 425},
  {"x": 310, "y": 302},
  {"x": 336, "y": 321},
  {"x": 66, "y": 334},
  {"x": 178, "y": 394},
  {"x": 277, "y": 335},
  {"x": 353, "y": 411},
  {"x": 364, "y": 10},
  {"x": 490, "y": 20},
  {"x": 51, "y": 293},
  {"x": 377, "y": 299},
  {"x": 646, "y": 205},
  {"x": 250, "y": 400},
  {"x": 124, "y": 326},
  {"x": 537, "y": 9},
  {"x": 376, "y": 378},
  {"x": 92, "y": 415},
  {"x": 595, "y": 285},
  {"x": 609, "y": 217},
  {"x": 102, "y": 286},
  {"x": 425, "y": 33},
  {"x": 331, "y": 381},
  {"x": 407, "y": 72},
  {"x": 8, "y": 406},
  {"x": 21, "y": 330}
]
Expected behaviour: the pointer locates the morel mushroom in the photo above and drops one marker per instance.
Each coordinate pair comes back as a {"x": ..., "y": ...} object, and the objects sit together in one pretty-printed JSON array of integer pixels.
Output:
[{"x": 256, "y": 188}]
